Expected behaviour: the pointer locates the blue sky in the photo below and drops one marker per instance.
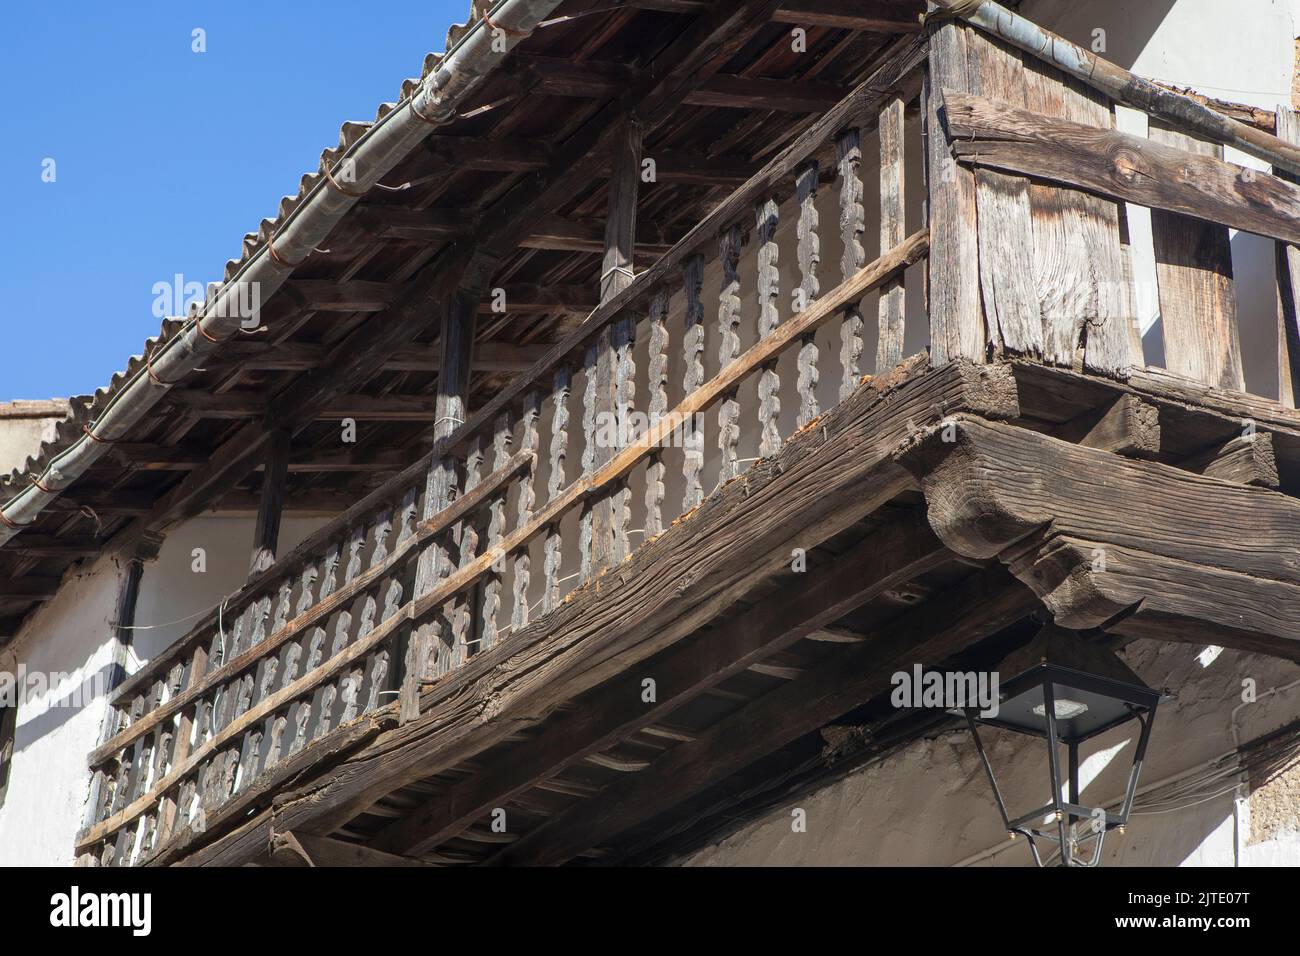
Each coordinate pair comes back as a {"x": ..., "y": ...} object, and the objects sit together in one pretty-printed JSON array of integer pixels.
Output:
[{"x": 165, "y": 157}]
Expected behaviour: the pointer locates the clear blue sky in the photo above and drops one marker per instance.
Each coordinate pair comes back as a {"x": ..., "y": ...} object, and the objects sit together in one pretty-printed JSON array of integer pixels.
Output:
[{"x": 165, "y": 157}]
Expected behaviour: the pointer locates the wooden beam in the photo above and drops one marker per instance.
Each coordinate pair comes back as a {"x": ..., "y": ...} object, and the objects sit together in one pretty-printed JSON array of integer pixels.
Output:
[
  {"x": 872, "y": 16},
  {"x": 31, "y": 586},
  {"x": 889, "y": 557},
  {"x": 354, "y": 295},
  {"x": 978, "y": 607},
  {"x": 308, "y": 849},
  {"x": 1122, "y": 166},
  {"x": 1249, "y": 461},
  {"x": 385, "y": 408},
  {"x": 1001, "y": 491},
  {"x": 489, "y": 356},
  {"x": 54, "y": 546},
  {"x": 1126, "y": 426},
  {"x": 266, "y": 534}
]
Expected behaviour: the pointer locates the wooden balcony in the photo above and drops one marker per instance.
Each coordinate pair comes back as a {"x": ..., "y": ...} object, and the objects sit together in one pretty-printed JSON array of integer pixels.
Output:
[{"x": 671, "y": 446}]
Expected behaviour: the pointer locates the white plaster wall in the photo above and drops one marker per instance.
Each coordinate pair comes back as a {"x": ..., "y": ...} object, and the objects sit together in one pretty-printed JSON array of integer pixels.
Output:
[
  {"x": 49, "y": 778},
  {"x": 45, "y": 803},
  {"x": 21, "y": 438},
  {"x": 930, "y": 804}
]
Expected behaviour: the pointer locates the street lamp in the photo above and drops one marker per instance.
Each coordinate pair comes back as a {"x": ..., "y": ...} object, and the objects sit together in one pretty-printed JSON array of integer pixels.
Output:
[{"x": 1067, "y": 690}]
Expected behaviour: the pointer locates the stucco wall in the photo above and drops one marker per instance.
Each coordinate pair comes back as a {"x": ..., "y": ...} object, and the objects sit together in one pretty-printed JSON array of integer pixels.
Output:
[
  {"x": 931, "y": 805},
  {"x": 45, "y": 803}
]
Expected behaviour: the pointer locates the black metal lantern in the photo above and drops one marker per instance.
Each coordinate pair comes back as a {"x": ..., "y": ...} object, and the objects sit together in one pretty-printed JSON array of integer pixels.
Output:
[{"x": 1067, "y": 690}]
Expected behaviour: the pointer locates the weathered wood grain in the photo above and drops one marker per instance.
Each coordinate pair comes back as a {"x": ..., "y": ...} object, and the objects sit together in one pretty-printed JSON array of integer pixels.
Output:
[
  {"x": 1198, "y": 302},
  {"x": 1005, "y": 225},
  {"x": 957, "y": 328},
  {"x": 893, "y": 228}
]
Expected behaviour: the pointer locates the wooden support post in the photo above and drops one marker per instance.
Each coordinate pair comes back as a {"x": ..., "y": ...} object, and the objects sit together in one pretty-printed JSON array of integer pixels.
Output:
[
  {"x": 457, "y": 345},
  {"x": 128, "y": 594},
  {"x": 1288, "y": 285},
  {"x": 616, "y": 275},
  {"x": 266, "y": 537}
]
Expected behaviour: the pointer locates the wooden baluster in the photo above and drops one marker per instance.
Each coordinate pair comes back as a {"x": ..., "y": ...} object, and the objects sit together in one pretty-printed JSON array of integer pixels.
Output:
[
  {"x": 496, "y": 530},
  {"x": 528, "y": 441},
  {"x": 769, "y": 316},
  {"x": 555, "y": 484},
  {"x": 279, "y": 723},
  {"x": 283, "y": 605},
  {"x": 586, "y": 518},
  {"x": 657, "y": 405},
  {"x": 438, "y": 626},
  {"x": 853, "y": 223},
  {"x": 808, "y": 289},
  {"x": 376, "y": 665},
  {"x": 693, "y": 351},
  {"x": 728, "y": 349},
  {"x": 342, "y": 631},
  {"x": 893, "y": 226},
  {"x": 462, "y": 607},
  {"x": 624, "y": 342},
  {"x": 379, "y": 662}
]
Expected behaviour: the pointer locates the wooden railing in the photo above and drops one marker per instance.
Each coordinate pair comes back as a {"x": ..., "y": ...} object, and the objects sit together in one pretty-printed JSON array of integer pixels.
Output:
[{"x": 532, "y": 497}]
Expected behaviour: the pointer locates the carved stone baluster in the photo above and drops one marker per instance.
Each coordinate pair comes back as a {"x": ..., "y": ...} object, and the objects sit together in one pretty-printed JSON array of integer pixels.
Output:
[
  {"x": 769, "y": 316},
  {"x": 809, "y": 256},
  {"x": 848, "y": 155},
  {"x": 555, "y": 484},
  {"x": 657, "y": 404},
  {"x": 528, "y": 441},
  {"x": 496, "y": 530},
  {"x": 693, "y": 352}
]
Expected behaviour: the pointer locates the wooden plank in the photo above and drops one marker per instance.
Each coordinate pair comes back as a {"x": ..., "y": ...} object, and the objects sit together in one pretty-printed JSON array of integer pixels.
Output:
[
  {"x": 957, "y": 328},
  {"x": 893, "y": 228},
  {"x": 930, "y": 633},
  {"x": 887, "y": 558},
  {"x": 266, "y": 534},
  {"x": 1288, "y": 285},
  {"x": 790, "y": 497},
  {"x": 1122, "y": 166},
  {"x": 1198, "y": 303},
  {"x": 1005, "y": 225},
  {"x": 1084, "y": 283}
]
